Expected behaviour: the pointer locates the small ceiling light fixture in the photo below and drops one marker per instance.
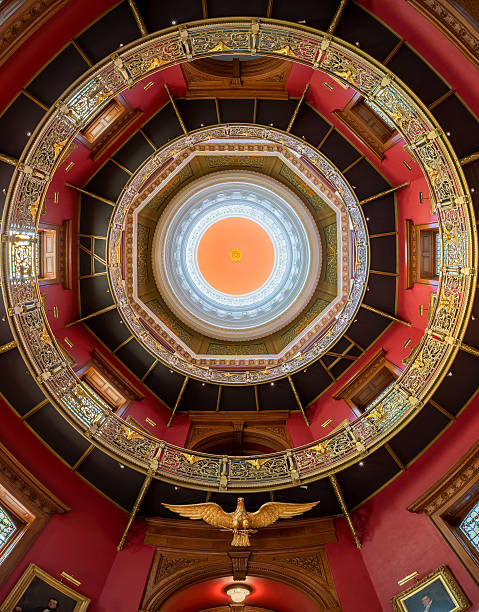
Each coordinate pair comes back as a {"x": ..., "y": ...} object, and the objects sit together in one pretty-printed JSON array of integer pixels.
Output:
[
  {"x": 238, "y": 592},
  {"x": 361, "y": 463},
  {"x": 173, "y": 22}
]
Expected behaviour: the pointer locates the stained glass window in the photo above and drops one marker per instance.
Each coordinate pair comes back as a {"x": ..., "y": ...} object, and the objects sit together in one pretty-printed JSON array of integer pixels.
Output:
[
  {"x": 7, "y": 527},
  {"x": 470, "y": 526}
]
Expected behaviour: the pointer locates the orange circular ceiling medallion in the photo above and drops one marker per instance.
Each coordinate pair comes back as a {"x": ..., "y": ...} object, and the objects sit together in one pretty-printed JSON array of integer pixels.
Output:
[{"x": 235, "y": 256}]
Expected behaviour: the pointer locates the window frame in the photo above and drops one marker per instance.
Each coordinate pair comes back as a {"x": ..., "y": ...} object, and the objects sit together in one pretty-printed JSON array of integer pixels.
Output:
[{"x": 449, "y": 500}]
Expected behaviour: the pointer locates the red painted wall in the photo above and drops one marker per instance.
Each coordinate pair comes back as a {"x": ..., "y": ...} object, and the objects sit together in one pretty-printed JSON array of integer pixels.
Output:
[
  {"x": 397, "y": 542},
  {"x": 81, "y": 542},
  {"x": 354, "y": 587}
]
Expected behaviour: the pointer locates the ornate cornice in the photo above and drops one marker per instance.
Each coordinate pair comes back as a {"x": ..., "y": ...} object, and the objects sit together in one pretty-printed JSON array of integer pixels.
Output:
[
  {"x": 453, "y": 24},
  {"x": 20, "y": 19},
  {"x": 26, "y": 488},
  {"x": 461, "y": 476}
]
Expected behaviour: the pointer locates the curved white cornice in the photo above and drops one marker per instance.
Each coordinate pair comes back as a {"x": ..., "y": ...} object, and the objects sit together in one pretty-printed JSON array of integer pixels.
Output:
[{"x": 291, "y": 228}]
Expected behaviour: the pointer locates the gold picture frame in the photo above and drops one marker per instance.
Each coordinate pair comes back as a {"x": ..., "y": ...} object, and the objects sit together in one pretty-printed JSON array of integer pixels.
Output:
[
  {"x": 34, "y": 589},
  {"x": 439, "y": 589}
]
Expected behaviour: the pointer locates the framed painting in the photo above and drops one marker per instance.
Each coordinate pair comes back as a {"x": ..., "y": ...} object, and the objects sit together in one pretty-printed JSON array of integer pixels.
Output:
[
  {"x": 437, "y": 592},
  {"x": 37, "y": 591}
]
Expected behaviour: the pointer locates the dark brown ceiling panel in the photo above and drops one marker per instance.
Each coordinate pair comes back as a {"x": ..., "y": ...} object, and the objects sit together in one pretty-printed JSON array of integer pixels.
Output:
[
  {"x": 458, "y": 388},
  {"x": 15, "y": 377},
  {"x": 108, "y": 181},
  {"x": 413, "y": 438},
  {"x": 117, "y": 27},
  {"x": 120, "y": 484},
  {"x": 312, "y": 13},
  {"x": 65, "y": 68},
  {"x": 358, "y": 482},
  {"x": 416, "y": 73},
  {"x": 358, "y": 26},
  {"x": 58, "y": 434},
  {"x": 19, "y": 119}
]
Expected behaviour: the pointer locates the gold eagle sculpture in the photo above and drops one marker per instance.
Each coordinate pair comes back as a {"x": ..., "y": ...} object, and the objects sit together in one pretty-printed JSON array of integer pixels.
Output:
[{"x": 241, "y": 522}]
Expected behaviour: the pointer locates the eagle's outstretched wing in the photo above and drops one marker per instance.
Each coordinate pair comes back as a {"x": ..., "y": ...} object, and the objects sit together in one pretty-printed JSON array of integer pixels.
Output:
[
  {"x": 211, "y": 513},
  {"x": 272, "y": 511}
]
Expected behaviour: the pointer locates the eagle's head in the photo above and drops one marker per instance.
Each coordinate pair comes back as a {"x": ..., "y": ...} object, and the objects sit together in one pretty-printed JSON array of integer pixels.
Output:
[{"x": 240, "y": 501}]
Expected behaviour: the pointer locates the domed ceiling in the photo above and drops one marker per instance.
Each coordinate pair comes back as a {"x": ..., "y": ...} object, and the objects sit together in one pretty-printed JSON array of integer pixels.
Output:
[
  {"x": 226, "y": 262},
  {"x": 245, "y": 274}
]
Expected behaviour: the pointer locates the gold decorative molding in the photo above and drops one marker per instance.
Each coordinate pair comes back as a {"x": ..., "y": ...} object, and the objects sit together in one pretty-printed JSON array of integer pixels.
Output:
[
  {"x": 17, "y": 26},
  {"x": 453, "y": 24}
]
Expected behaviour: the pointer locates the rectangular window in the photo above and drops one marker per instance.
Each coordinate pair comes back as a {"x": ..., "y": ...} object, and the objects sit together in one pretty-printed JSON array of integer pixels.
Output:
[
  {"x": 370, "y": 124},
  {"x": 47, "y": 254},
  {"x": 104, "y": 388}
]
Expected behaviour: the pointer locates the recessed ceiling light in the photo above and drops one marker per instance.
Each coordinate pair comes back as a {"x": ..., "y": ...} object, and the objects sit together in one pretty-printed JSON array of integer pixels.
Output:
[
  {"x": 272, "y": 384},
  {"x": 122, "y": 466},
  {"x": 29, "y": 133},
  {"x": 173, "y": 22},
  {"x": 238, "y": 592},
  {"x": 120, "y": 45},
  {"x": 361, "y": 463}
]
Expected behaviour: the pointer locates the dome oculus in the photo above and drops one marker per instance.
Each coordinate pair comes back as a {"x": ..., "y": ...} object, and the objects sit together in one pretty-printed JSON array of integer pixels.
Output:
[{"x": 277, "y": 266}]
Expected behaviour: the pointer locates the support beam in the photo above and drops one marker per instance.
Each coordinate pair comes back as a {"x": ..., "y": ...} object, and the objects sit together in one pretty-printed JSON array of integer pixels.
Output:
[
  {"x": 325, "y": 137},
  {"x": 90, "y": 316},
  {"x": 136, "y": 507},
  {"x": 298, "y": 401},
  {"x": 269, "y": 9},
  {"x": 393, "y": 52},
  {"x": 383, "y": 193},
  {"x": 148, "y": 139},
  {"x": 218, "y": 398},
  {"x": 138, "y": 18},
  {"x": 7, "y": 347},
  {"x": 121, "y": 166},
  {"x": 34, "y": 99},
  {"x": 217, "y": 108},
  {"x": 349, "y": 357},
  {"x": 178, "y": 399},
  {"x": 385, "y": 314},
  {"x": 36, "y": 408},
  {"x": 342, "y": 504},
  {"x": 383, "y": 234},
  {"x": 469, "y": 349},
  {"x": 256, "y": 397},
  {"x": 337, "y": 16},
  {"x": 175, "y": 108},
  {"x": 81, "y": 52},
  {"x": 92, "y": 254},
  {"x": 398, "y": 461},
  {"x": 383, "y": 273},
  {"x": 9, "y": 160},
  {"x": 352, "y": 164},
  {"x": 469, "y": 158},
  {"x": 441, "y": 99},
  {"x": 92, "y": 195},
  {"x": 255, "y": 110},
  {"x": 93, "y": 274},
  {"x": 442, "y": 410},
  {"x": 354, "y": 342},
  {"x": 79, "y": 461},
  {"x": 204, "y": 8},
  {"x": 122, "y": 344},
  {"x": 298, "y": 106},
  {"x": 152, "y": 367},
  {"x": 328, "y": 372}
]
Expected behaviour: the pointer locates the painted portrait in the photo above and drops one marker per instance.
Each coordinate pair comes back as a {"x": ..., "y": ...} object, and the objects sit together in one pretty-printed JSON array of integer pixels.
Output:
[
  {"x": 37, "y": 591},
  {"x": 437, "y": 592}
]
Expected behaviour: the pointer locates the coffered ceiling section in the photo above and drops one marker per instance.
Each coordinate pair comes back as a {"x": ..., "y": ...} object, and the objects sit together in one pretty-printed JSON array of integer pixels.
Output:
[{"x": 237, "y": 254}]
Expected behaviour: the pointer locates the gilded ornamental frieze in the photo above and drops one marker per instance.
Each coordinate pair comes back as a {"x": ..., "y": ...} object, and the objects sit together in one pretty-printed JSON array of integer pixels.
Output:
[{"x": 426, "y": 142}]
